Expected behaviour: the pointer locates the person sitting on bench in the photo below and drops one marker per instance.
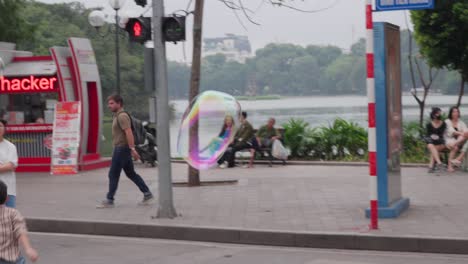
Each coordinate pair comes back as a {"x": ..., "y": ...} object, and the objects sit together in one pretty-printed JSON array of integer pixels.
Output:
[
  {"x": 435, "y": 131},
  {"x": 267, "y": 134},
  {"x": 241, "y": 141},
  {"x": 454, "y": 139}
]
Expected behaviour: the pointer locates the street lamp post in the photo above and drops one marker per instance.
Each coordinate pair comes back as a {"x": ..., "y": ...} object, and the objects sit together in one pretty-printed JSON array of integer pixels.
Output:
[
  {"x": 2, "y": 67},
  {"x": 97, "y": 19}
]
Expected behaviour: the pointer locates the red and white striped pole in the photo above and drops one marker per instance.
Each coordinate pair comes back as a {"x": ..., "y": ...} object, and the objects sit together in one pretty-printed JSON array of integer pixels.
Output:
[{"x": 371, "y": 113}]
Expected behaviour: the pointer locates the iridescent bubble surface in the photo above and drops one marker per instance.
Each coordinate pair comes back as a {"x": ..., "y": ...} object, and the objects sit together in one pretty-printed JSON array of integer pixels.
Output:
[{"x": 209, "y": 109}]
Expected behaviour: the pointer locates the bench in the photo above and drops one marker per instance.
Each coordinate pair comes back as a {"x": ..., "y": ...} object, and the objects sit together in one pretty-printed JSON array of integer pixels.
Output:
[{"x": 263, "y": 152}]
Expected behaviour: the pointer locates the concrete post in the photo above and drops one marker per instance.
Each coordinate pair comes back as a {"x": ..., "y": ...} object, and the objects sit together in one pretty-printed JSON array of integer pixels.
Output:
[{"x": 166, "y": 207}]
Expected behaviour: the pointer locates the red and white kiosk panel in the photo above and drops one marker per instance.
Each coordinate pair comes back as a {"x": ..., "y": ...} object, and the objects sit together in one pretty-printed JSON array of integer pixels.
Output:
[{"x": 29, "y": 89}]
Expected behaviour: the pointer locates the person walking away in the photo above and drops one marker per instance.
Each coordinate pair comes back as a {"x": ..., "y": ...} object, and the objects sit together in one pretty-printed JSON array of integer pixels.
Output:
[
  {"x": 241, "y": 141},
  {"x": 14, "y": 232},
  {"x": 8, "y": 164},
  {"x": 434, "y": 139},
  {"x": 454, "y": 137},
  {"x": 124, "y": 150}
]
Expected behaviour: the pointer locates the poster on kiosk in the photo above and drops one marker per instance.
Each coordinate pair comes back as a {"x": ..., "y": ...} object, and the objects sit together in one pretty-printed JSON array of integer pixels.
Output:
[{"x": 66, "y": 138}]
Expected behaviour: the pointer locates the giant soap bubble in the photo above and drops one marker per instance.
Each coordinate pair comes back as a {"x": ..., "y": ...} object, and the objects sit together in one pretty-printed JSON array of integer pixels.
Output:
[{"x": 215, "y": 114}]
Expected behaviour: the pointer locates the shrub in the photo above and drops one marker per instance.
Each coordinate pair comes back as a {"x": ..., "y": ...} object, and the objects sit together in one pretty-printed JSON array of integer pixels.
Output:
[
  {"x": 414, "y": 149},
  {"x": 294, "y": 133},
  {"x": 343, "y": 138}
]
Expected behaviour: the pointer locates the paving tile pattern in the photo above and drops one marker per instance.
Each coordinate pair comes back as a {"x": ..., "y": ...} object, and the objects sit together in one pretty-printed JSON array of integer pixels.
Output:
[{"x": 292, "y": 198}]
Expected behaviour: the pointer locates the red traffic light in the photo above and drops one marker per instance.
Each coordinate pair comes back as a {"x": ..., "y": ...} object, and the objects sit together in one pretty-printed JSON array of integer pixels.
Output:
[{"x": 139, "y": 29}]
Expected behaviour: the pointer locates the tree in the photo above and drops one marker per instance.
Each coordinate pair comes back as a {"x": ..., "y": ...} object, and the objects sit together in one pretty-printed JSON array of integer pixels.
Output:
[
  {"x": 229, "y": 77},
  {"x": 178, "y": 79},
  {"x": 425, "y": 84},
  {"x": 215, "y": 61},
  {"x": 325, "y": 55},
  {"x": 13, "y": 25},
  {"x": 338, "y": 73},
  {"x": 442, "y": 34},
  {"x": 194, "y": 174},
  {"x": 304, "y": 75},
  {"x": 359, "y": 48}
]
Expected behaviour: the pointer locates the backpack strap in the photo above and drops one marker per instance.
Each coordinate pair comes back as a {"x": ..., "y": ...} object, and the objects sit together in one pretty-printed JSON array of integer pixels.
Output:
[{"x": 129, "y": 116}]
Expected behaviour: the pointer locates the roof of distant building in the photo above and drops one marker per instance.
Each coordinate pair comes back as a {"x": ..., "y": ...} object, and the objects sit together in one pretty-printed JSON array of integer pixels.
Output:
[{"x": 241, "y": 43}]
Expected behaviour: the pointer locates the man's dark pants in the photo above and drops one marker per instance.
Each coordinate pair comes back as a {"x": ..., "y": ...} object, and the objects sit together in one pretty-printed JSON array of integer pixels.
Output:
[
  {"x": 122, "y": 159},
  {"x": 230, "y": 154}
]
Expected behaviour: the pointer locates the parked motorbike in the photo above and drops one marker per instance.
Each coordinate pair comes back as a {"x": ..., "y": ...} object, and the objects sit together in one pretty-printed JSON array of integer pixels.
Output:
[{"x": 148, "y": 151}]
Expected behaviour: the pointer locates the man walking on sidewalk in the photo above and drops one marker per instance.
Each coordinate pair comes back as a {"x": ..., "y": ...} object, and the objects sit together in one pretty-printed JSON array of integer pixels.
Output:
[{"x": 124, "y": 149}]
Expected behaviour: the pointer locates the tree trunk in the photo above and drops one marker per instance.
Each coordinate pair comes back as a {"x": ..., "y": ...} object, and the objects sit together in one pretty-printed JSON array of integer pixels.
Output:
[
  {"x": 462, "y": 90},
  {"x": 421, "y": 114},
  {"x": 194, "y": 174},
  {"x": 421, "y": 104}
]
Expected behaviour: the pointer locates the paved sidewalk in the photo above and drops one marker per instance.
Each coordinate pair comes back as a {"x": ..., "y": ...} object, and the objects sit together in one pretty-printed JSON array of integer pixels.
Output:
[{"x": 289, "y": 198}]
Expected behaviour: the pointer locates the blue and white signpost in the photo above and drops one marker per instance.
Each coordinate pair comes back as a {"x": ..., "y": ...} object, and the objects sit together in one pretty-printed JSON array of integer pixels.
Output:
[
  {"x": 384, "y": 104},
  {"x": 389, "y": 5}
]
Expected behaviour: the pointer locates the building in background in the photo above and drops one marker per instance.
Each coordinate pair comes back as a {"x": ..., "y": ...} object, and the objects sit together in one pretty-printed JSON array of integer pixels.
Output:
[{"x": 234, "y": 47}]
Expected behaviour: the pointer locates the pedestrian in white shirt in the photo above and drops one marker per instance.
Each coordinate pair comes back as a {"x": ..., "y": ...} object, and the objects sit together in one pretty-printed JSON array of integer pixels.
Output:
[{"x": 8, "y": 164}]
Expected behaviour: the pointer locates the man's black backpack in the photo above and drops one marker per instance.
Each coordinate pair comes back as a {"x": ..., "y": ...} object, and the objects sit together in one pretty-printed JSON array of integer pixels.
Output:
[{"x": 139, "y": 132}]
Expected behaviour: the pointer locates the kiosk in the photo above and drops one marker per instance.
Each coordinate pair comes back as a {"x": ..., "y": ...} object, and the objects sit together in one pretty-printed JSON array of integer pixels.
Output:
[{"x": 29, "y": 89}]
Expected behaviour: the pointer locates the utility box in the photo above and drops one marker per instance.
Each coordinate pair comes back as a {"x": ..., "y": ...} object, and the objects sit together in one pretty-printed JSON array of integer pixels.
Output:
[{"x": 388, "y": 108}]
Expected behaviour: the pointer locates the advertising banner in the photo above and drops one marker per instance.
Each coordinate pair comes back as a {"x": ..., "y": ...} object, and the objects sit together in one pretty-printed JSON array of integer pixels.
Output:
[{"x": 66, "y": 138}]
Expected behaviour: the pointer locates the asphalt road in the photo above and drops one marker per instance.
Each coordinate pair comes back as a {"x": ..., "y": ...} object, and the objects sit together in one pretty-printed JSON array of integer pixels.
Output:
[{"x": 74, "y": 249}]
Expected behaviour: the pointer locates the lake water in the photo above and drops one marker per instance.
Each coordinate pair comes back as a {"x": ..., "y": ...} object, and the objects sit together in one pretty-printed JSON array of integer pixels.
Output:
[{"x": 317, "y": 111}]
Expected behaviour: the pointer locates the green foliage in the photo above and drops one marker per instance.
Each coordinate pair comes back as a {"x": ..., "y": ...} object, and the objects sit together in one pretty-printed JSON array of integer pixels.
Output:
[
  {"x": 294, "y": 136},
  {"x": 106, "y": 142},
  {"x": 345, "y": 141},
  {"x": 359, "y": 48},
  {"x": 343, "y": 138},
  {"x": 414, "y": 148},
  {"x": 442, "y": 34},
  {"x": 221, "y": 75},
  {"x": 13, "y": 25},
  {"x": 315, "y": 144},
  {"x": 336, "y": 141}
]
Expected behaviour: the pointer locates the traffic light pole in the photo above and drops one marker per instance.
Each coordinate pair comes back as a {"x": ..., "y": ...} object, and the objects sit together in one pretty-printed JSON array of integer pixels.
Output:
[
  {"x": 117, "y": 53},
  {"x": 166, "y": 207}
]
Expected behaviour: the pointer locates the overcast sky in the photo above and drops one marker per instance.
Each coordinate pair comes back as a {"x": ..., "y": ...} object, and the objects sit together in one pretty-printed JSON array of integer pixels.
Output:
[{"x": 340, "y": 25}]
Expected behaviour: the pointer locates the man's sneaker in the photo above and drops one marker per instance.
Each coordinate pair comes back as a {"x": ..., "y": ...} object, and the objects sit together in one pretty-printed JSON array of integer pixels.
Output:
[
  {"x": 223, "y": 165},
  {"x": 105, "y": 204},
  {"x": 147, "y": 199},
  {"x": 431, "y": 170}
]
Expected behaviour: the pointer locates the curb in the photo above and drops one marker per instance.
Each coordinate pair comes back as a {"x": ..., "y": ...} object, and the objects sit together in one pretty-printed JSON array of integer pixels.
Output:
[
  {"x": 322, "y": 163},
  {"x": 347, "y": 241}
]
